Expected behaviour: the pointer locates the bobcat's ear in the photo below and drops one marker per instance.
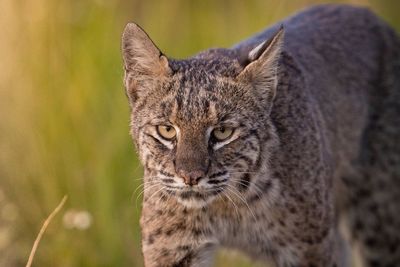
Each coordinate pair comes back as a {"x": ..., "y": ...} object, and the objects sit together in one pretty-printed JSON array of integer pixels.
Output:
[
  {"x": 143, "y": 61},
  {"x": 262, "y": 70}
]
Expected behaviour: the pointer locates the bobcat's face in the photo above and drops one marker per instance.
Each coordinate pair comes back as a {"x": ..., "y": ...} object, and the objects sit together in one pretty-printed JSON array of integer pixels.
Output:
[
  {"x": 196, "y": 122},
  {"x": 199, "y": 140}
]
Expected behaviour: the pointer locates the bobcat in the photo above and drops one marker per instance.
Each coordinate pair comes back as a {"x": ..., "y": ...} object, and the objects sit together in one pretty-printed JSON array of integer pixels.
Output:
[{"x": 269, "y": 146}]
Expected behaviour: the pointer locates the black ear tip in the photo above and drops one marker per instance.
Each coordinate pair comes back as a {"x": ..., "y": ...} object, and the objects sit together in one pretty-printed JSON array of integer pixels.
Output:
[
  {"x": 279, "y": 35},
  {"x": 280, "y": 31}
]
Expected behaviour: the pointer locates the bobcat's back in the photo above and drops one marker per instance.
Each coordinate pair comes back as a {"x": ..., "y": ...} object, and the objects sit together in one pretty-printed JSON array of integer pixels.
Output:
[{"x": 347, "y": 64}]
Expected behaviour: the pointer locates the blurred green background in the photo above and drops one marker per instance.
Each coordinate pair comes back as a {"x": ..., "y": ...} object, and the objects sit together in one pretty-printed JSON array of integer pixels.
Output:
[{"x": 64, "y": 117}]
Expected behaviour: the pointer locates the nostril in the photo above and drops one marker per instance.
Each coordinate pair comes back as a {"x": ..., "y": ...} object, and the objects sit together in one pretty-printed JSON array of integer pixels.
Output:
[
  {"x": 196, "y": 176},
  {"x": 191, "y": 177}
]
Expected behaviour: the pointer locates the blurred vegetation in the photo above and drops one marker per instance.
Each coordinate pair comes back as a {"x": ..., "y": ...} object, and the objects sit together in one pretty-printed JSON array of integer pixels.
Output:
[{"x": 64, "y": 116}]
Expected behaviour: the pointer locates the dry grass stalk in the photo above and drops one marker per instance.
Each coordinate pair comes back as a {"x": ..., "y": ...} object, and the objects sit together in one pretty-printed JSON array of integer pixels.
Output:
[{"x": 43, "y": 229}]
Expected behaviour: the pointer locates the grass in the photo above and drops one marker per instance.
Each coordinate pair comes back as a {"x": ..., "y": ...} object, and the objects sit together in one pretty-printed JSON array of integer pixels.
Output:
[
  {"x": 64, "y": 116},
  {"x": 43, "y": 229}
]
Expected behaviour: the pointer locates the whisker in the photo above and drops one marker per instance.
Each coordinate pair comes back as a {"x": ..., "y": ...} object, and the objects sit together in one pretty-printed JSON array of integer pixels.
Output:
[
  {"x": 169, "y": 197},
  {"x": 232, "y": 189},
  {"x": 241, "y": 182},
  {"x": 142, "y": 178},
  {"x": 259, "y": 192},
  {"x": 140, "y": 186},
  {"x": 236, "y": 208},
  {"x": 162, "y": 188},
  {"x": 146, "y": 188},
  {"x": 150, "y": 180}
]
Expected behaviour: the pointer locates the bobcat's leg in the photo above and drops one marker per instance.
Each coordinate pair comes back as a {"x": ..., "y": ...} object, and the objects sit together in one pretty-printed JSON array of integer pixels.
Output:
[
  {"x": 373, "y": 215},
  {"x": 173, "y": 237},
  {"x": 374, "y": 195},
  {"x": 173, "y": 253},
  {"x": 329, "y": 252},
  {"x": 309, "y": 237}
]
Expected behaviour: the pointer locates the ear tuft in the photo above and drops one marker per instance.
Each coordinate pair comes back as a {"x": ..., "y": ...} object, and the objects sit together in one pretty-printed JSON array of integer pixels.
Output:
[
  {"x": 262, "y": 70},
  {"x": 256, "y": 52}
]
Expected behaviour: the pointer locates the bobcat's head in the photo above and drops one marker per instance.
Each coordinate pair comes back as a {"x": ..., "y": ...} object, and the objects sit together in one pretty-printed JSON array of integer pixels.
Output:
[{"x": 200, "y": 124}]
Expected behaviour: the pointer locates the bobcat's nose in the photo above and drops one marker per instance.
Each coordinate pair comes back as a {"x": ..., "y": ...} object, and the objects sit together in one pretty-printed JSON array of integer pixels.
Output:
[{"x": 191, "y": 177}]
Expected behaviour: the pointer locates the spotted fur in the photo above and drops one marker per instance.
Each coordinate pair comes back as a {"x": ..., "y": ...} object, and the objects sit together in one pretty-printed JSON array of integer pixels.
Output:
[{"x": 315, "y": 114}]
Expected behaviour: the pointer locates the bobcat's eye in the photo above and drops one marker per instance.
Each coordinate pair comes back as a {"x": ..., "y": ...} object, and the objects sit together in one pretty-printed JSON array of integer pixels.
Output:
[
  {"x": 167, "y": 132},
  {"x": 222, "y": 133}
]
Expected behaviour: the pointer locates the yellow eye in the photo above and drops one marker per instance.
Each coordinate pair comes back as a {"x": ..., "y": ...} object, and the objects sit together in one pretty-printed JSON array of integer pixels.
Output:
[
  {"x": 222, "y": 133},
  {"x": 166, "y": 131}
]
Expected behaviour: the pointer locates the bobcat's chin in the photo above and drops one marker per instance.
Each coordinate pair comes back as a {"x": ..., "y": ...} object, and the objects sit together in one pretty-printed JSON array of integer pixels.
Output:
[{"x": 194, "y": 203}]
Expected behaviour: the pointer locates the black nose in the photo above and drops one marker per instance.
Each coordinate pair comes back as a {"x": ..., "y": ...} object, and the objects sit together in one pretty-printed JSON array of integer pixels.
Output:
[{"x": 191, "y": 177}]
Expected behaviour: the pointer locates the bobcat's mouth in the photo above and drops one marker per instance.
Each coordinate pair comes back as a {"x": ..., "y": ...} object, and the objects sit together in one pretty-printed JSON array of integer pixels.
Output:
[
  {"x": 195, "y": 197},
  {"x": 198, "y": 195}
]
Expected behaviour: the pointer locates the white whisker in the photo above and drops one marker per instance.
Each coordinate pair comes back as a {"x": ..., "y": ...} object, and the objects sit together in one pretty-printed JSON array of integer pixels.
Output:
[
  {"x": 144, "y": 189},
  {"x": 162, "y": 188},
  {"x": 237, "y": 193},
  {"x": 236, "y": 208}
]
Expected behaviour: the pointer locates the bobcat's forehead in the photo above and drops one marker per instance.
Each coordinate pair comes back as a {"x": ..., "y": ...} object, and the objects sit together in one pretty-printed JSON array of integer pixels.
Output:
[
  {"x": 204, "y": 66},
  {"x": 199, "y": 92}
]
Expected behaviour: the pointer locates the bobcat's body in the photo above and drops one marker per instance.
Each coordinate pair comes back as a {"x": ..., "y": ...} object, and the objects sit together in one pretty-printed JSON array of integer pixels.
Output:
[{"x": 319, "y": 149}]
